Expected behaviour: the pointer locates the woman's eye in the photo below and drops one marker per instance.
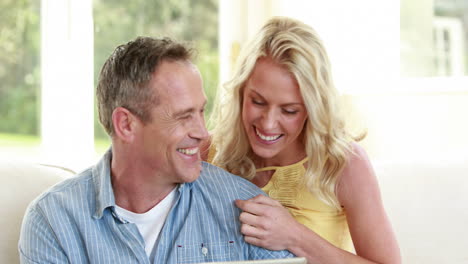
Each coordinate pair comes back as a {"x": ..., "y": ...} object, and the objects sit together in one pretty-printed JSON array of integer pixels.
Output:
[
  {"x": 257, "y": 102},
  {"x": 289, "y": 112}
]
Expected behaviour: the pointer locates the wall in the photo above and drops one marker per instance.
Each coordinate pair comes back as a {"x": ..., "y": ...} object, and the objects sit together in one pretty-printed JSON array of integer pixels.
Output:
[{"x": 416, "y": 126}]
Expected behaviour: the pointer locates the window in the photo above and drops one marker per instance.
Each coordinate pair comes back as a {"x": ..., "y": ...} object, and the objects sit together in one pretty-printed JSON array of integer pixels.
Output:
[
  {"x": 434, "y": 37},
  {"x": 188, "y": 20},
  {"x": 51, "y": 52},
  {"x": 20, "y": 77}
]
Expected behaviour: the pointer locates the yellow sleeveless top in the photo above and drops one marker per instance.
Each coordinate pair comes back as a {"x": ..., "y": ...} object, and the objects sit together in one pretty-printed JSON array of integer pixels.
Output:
[{"x": 287, "y": 185}]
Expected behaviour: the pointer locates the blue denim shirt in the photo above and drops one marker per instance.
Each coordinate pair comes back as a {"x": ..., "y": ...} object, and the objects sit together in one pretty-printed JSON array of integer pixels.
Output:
[{"x": 75, "y": 222}]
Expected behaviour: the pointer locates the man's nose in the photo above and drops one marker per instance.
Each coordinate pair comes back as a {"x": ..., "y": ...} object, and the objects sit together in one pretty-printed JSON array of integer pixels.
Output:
[{"x": 199, "y": 130}]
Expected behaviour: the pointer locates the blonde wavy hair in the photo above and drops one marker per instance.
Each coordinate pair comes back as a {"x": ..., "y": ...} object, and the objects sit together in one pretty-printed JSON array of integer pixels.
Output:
[{"x": 297, "y": 47}]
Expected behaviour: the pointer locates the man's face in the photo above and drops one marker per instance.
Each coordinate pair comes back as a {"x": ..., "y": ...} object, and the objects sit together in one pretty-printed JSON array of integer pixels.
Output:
[{"x": 170, "y": 142}]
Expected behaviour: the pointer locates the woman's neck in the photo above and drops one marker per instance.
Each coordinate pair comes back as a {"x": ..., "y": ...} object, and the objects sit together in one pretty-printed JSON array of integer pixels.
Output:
[{"x": 277, "y": 161}]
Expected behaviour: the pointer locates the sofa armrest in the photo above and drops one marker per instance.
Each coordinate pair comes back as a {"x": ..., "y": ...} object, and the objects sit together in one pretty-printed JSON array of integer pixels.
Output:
[{"x": 21, "y": 182}]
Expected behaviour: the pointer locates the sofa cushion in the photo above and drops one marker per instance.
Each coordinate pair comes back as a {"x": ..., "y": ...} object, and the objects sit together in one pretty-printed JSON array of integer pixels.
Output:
[
  {"x": 428, "y": 207},
  {"x": 21, "y": 182}
]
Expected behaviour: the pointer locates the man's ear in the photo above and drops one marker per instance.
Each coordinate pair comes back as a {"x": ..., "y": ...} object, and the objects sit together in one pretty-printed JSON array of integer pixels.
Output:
[{"x": 125, "y": 124}]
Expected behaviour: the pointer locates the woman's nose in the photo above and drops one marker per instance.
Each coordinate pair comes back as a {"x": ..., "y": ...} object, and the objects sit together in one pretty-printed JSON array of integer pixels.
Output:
[{"x": 269, "y": 119}]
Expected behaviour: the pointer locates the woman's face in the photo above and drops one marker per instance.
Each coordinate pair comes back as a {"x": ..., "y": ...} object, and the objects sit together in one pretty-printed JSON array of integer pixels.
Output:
[{"x": 273, "y": 113}]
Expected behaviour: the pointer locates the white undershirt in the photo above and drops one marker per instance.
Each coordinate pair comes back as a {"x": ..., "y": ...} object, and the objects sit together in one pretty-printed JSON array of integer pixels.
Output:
[{"x": 150, "y": 223}]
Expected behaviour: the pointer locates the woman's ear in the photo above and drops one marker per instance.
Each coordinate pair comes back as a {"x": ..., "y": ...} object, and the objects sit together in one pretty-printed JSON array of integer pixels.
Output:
[{"x": 124, "y": 123}]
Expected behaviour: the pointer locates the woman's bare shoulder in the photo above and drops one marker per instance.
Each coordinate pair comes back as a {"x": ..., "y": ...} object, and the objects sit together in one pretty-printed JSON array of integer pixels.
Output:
[{"x": 358, "y": 174}]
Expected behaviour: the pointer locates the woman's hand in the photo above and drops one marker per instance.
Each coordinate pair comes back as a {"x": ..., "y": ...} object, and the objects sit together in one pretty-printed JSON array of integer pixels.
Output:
[{"x": 266, "y": 223}]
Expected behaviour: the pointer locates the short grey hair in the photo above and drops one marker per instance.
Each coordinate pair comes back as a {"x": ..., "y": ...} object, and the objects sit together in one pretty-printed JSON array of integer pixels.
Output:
[{"x": 124, "y": 78}]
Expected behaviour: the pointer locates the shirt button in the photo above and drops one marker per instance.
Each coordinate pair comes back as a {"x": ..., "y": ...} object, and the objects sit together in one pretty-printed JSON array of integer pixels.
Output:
[{"x": 204, "y": 250}]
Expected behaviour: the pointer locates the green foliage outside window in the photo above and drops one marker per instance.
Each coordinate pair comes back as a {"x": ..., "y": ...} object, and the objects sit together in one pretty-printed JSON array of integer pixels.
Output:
[
  {"x": 19, "y": 66},
  {"x": 115, "y": 22},
  {"x": 195, "y": 21}
]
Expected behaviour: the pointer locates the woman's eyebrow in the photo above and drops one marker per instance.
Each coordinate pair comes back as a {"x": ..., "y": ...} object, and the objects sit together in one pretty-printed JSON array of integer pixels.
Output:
[{"x": 263, "y": 98}]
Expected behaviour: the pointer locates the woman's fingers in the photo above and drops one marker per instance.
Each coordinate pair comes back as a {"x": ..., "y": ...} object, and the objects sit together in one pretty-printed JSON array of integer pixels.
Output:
[
  {"x": 251, "y": 219},
  {"x": 258, "y": 205},
  {"x": 250, "y": 206},
  {"x": 250, "y": 230},
  {"x": 254, "y": 241},
  {"x": 265, "y": 222},
  {"x": 262, "y": 199}
]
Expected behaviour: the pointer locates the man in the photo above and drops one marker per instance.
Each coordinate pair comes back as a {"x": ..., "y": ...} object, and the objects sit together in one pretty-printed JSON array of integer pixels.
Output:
[{"x": 145, "y": 201}]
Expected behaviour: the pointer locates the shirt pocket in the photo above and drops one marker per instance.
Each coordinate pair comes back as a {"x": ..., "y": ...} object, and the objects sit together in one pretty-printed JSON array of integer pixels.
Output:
[{"x": 207, "y": 252}]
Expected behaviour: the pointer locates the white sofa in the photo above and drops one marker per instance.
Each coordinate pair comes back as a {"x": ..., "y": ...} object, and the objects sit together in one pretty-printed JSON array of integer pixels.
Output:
[
  {"x": 20, "y": 183},
  {"x": 426, "y": 202}
]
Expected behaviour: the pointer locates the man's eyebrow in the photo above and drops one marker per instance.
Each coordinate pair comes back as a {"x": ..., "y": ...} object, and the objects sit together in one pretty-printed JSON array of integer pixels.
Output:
[
  {"x": 184, "y": 112},
  {"x": 187, "y": 111}
]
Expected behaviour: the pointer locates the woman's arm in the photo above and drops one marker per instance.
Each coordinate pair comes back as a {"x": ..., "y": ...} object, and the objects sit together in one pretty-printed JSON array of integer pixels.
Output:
[
  {"x": 268, "y": 224},
  {"x": 359, "y": 193}
]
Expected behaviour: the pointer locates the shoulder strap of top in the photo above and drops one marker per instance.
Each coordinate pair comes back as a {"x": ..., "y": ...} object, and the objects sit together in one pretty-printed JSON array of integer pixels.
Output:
[{"x": 283, "y": 167}]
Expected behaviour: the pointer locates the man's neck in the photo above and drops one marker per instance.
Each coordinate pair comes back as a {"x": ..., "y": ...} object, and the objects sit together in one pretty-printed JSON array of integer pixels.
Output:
[{"x": 137, "y": 188}]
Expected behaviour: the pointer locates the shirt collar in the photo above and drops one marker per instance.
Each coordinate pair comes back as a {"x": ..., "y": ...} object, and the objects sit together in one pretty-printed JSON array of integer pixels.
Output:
[
  {"x": 102, "y": 185},
  {"x": 103, "y": 188}
]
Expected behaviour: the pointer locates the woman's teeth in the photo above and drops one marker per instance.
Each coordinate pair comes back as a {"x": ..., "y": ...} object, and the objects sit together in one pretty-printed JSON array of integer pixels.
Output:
[{"x": 267, "y": 138}]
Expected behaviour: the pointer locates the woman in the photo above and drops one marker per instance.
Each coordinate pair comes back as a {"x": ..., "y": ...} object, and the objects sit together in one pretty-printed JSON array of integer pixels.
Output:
[{"x": 279, "y": 126}]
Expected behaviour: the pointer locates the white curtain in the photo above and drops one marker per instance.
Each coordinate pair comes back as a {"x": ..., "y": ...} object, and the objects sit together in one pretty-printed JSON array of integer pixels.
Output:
[{"x": 67, "y": 83}]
